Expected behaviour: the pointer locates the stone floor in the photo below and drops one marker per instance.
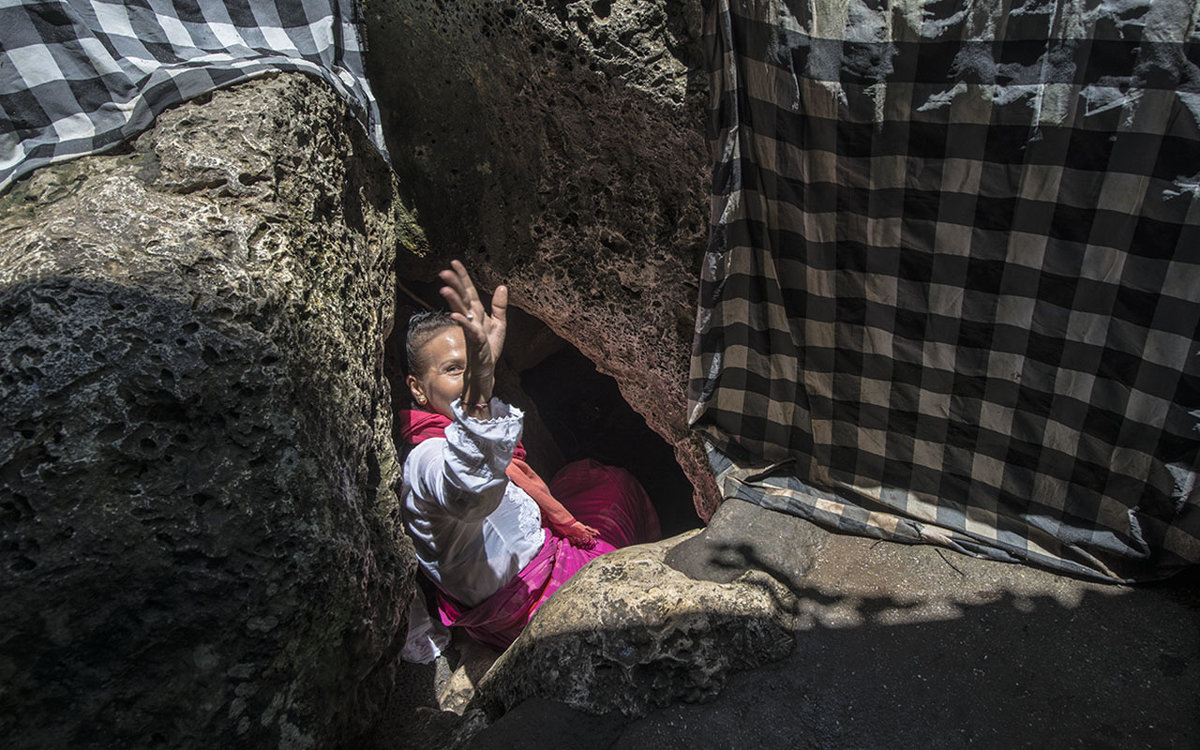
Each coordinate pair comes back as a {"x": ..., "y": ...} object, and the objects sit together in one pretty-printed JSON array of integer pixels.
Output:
[{"x": 895, "y": 646}]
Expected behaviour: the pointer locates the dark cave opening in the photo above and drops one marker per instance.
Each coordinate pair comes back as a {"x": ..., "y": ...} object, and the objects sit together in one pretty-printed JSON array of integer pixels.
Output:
[
  {"x": 584, "y": 412},
  {"x": 572, "y": 411}
]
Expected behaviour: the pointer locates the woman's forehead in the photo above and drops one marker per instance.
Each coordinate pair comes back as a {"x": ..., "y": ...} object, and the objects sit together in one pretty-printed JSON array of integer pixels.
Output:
[{"x": 445, "y": 344}]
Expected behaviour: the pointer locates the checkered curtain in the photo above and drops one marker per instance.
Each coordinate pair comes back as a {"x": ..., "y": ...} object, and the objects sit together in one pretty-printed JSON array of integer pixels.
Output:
[
  {"x": 952, "y": 293},
  {"x": 80, "y": 76}
]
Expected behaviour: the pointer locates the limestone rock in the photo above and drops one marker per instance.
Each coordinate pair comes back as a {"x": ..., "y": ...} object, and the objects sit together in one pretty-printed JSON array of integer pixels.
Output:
[
  {"x": 559, "y": 148},
  {"x": 741, "y": 536},
  {"x": 917, "y": 646},
  {"x": 628, "y": 633},
  {"x": 199, "y": 539}
]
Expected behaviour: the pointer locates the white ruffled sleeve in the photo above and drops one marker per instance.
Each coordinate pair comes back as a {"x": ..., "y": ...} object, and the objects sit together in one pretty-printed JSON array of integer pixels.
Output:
[{"x": 465, "y": 473}]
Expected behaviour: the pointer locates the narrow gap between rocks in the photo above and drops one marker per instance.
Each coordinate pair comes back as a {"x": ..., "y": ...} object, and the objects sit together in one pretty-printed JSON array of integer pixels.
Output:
[{"x": 572, "y": 411}]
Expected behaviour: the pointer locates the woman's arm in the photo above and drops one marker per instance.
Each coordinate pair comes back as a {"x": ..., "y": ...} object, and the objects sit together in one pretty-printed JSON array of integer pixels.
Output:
[
  {"x": 467, "y": 476},
  {"x": 465, "y": 473},
  {"x": 483, "y": 334}
]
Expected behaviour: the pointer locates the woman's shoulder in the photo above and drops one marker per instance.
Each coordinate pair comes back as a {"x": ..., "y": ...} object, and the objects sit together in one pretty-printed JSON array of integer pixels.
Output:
[{"x": 420, "y": 458}]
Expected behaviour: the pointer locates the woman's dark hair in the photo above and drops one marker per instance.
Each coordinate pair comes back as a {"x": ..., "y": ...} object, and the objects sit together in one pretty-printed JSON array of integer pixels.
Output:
[{"x": 422, "y": 327}]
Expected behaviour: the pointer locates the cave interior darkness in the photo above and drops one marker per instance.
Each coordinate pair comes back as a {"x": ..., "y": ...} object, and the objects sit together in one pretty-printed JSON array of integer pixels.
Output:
[{"x": 572, "y": 411}]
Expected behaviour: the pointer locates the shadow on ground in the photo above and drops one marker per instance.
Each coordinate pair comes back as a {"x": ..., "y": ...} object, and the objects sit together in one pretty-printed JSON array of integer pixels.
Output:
[
  {"x": 1117, "y": 669},
  {"x": 894, "y": 646}
]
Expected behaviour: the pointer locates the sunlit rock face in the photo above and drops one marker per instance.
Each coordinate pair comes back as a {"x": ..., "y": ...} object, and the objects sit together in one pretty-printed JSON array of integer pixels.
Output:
[
  {"x": 559, "y": 148},
  {"x": 628, "y": 633},
  {"x": 199, "y": 541}
]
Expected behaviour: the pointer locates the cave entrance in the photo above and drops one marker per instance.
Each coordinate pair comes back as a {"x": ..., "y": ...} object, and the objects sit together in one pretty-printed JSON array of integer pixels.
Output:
[{"x": 572, "y": 411}]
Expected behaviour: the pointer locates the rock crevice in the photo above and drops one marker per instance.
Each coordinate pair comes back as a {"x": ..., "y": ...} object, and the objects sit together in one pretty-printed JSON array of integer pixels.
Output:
[{"x": 559, "y": 149}]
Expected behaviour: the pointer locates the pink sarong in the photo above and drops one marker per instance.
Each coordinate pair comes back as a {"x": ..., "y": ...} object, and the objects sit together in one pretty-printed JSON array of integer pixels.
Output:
[{"x": 604, "y": 497}]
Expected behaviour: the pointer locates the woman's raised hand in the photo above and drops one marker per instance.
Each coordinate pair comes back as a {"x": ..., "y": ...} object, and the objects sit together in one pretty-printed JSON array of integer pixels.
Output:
[{"x": 483, "y": 333}]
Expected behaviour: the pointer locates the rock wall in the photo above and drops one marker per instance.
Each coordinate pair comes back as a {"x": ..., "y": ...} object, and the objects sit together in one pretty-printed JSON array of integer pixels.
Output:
[
  {"x": 199, "y": 539},
  {"x": 558, "y": 147}
]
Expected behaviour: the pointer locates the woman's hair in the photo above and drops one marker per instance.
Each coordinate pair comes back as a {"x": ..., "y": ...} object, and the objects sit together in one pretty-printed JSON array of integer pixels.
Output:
[{"x": 422, "y": 327}]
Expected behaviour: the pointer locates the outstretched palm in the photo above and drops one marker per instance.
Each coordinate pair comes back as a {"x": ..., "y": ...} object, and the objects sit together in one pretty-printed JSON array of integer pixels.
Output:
[{"x": 483, "y": 333}]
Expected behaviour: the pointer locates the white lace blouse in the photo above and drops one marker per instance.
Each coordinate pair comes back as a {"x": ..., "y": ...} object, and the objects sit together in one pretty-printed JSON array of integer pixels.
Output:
[{"x": 472, "y": 528}]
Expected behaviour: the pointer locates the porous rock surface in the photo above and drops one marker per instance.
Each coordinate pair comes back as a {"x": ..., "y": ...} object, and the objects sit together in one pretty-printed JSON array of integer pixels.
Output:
[
  {"x": 559, "y": 148},
  {"x": 199, "y": 541},
  {"x": 628, "y": 633}
]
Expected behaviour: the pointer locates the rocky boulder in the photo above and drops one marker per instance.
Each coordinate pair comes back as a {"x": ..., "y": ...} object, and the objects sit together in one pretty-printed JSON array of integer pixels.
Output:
[
  {"x": 629, "y": 633},
  {"x": 559, "y": 148},
  {"x": 199, "y": 538}
]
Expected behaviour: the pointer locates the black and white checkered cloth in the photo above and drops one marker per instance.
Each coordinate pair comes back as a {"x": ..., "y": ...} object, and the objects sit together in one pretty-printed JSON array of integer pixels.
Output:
[
  {"x": 80, "y": 76},
  {"x": 952, "y": 293}
]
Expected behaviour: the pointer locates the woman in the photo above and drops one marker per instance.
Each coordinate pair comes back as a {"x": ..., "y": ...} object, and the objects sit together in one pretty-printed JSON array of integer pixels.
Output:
[{"x": 491, "y": 536}]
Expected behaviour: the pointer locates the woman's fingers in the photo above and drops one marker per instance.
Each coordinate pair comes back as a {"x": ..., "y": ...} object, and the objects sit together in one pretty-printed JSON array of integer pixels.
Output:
[
  {"x": 459, "y": 312},
  {"x": 468, "y": 286},
  {"x": 579, "y": 528},
  {"x": 500, "y": 304},
  {"x": 463, "y": 301},
  {"x": 466, "y": 306},
  {"x": 454, "y": 292},
  {"x": 458, "y": 280}
]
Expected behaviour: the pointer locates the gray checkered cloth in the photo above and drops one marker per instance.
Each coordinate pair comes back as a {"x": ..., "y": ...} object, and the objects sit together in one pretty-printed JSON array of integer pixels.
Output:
[
  {"x": 952, "y": 293},
  {"x": 80, "y": 76}
]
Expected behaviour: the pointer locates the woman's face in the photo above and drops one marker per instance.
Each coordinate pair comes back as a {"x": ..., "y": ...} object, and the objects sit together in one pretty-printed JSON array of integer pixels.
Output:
[{"x": 444, "y": 358}]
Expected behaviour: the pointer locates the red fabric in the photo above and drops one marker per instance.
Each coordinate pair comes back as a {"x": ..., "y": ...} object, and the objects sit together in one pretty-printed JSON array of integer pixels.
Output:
[
  {"x": 604, "y": 497},
  {"x": 554, "y": 514},
  {"x": 417, "y": 425}
]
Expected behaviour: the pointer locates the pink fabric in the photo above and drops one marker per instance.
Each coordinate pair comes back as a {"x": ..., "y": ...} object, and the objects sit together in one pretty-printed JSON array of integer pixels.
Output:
[
  {"x": 498, "y": 621},
  {"x": 608, "y": 499},
  {"x": 605, "y": 497}
]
